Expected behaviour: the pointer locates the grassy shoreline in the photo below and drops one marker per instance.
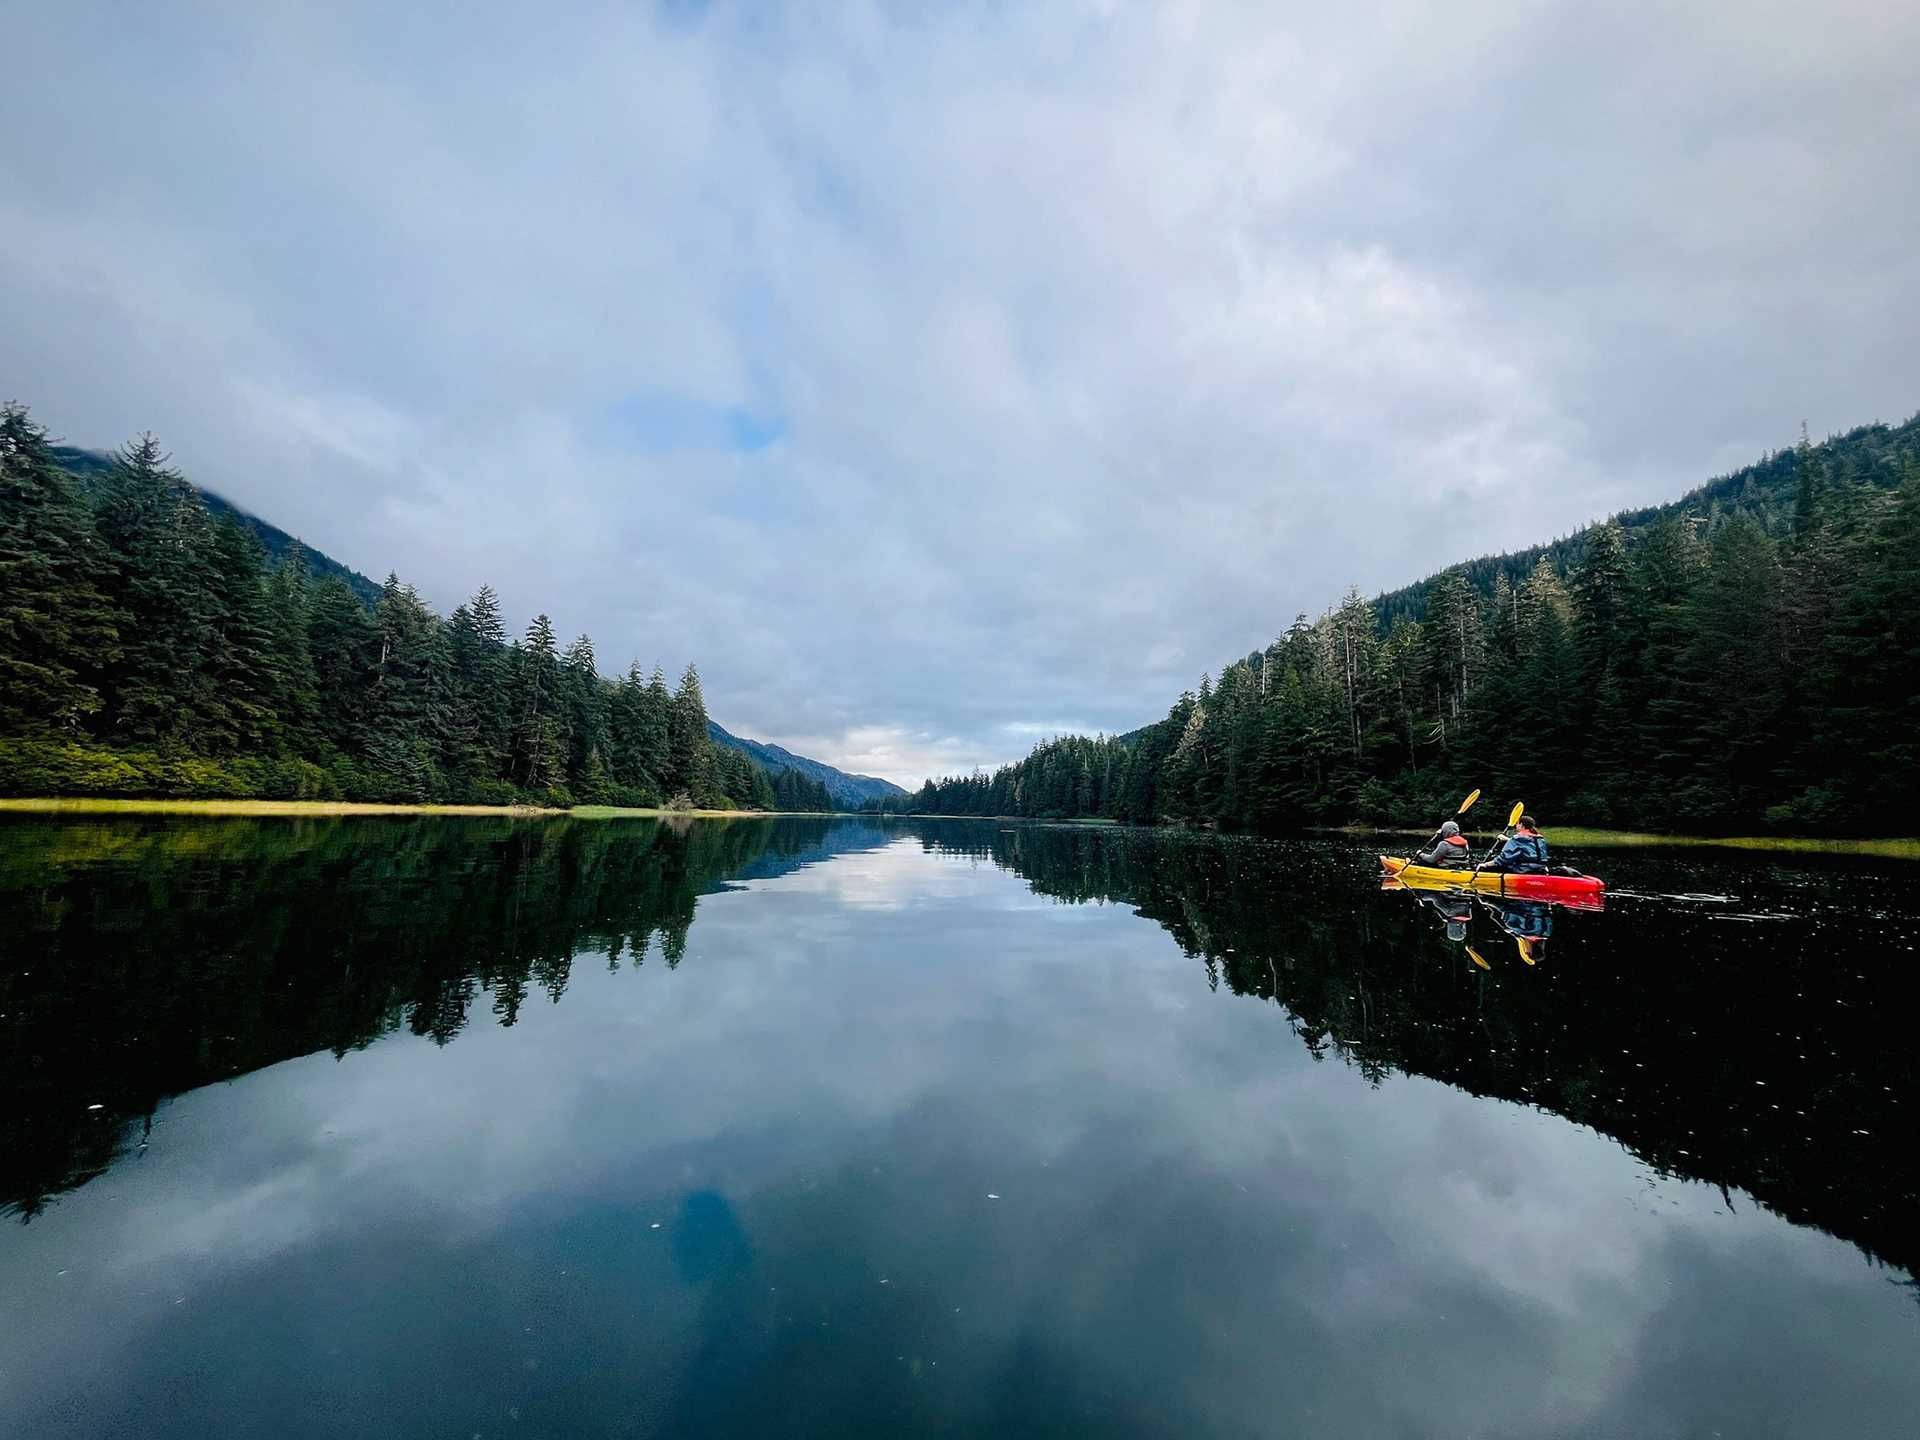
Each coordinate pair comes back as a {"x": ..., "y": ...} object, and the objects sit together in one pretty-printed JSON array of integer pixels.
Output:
[{"x": 336, "y": 808}]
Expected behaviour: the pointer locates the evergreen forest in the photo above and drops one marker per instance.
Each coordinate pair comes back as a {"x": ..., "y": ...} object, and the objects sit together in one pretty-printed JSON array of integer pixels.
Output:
[
  {"x": 148, "y": 648},
  {"x": 1748, "y": 657}
]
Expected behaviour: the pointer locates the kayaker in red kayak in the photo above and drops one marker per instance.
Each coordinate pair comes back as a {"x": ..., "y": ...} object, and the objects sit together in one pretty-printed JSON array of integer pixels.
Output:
[
  {"x": 1525, "y": 852},
  {"x": 1449, "y": 852}
]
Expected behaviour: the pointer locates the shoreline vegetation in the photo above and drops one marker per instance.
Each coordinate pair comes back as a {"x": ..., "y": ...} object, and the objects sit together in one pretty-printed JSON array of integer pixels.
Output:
[
  {"x": 151, "y": 649},
  {"x": 1565, "y": 835},
  {"x": 324, "y": 809}
]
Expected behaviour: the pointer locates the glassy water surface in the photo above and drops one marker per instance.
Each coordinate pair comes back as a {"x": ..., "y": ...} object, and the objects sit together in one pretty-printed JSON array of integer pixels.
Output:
[{"x": 455, "y": 1128}]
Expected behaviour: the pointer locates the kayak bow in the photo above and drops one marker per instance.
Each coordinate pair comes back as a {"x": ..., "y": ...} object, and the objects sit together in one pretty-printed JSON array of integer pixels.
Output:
[{"x": 1579, "y": 890}]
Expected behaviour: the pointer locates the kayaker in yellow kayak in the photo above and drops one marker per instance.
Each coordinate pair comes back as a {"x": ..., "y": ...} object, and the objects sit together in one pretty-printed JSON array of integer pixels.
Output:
[{"x": 1449, "y": 852}]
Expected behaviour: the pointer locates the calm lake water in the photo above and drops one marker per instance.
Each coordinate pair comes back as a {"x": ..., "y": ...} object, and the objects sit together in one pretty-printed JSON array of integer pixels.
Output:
[{"x": 456, "y": 1128}]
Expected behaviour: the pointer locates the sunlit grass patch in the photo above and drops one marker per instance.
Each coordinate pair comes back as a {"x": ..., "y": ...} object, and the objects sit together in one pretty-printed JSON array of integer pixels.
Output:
[
  {"x": 1884, "y": 849},
  {"x": 640, "y": 812},
  {"x": 254, "y": 807}
]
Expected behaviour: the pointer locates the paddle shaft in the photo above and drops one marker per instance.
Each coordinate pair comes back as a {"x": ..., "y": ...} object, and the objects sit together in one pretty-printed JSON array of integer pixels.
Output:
[{"x": 1512, "y": 820}]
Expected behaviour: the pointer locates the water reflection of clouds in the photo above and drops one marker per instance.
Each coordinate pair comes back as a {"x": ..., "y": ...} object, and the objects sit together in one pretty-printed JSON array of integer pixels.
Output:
[
  {"x": 901, "y": 872},
  {"x": 850, "y": 1058}
]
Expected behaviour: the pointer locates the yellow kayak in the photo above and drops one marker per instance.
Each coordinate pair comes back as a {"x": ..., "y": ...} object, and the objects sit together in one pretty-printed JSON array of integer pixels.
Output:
[{"x": 1579, "y": 890}]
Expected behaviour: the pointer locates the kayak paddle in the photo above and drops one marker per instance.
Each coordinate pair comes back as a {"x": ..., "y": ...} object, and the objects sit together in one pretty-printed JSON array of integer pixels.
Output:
[
  {"x": 1513, "y": 819},
  {"x": 1474, "y": 955}
]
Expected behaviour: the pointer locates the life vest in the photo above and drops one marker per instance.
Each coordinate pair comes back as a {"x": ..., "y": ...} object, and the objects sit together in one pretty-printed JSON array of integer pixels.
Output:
[{"x": 1525, "y": 854}]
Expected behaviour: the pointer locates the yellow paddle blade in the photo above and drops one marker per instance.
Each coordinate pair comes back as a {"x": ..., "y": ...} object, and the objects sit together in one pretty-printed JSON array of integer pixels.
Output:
[
  {"x": 1474, "y": 955},
  {"x": 1514, "y": 818},
  {"x": 1526, "y": 949},
  {"x": 1467, "y": 804}
]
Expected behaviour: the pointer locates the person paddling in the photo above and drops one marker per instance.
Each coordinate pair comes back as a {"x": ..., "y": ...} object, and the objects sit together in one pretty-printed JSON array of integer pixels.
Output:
[
  {"x": 1525, "y": 852},
  {"x": 1449, "y": 852}
]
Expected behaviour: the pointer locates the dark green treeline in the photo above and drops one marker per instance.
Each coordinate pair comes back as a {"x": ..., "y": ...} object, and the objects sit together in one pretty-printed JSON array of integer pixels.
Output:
[
  {"x": 1753, "y": 662},
  {"x": 146, "y": 649}
]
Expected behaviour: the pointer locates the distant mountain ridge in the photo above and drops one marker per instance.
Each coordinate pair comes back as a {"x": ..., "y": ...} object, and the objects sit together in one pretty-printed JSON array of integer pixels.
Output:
[
  {"x": 849, "y": 790},
  {"x": 87, "y": 466}
]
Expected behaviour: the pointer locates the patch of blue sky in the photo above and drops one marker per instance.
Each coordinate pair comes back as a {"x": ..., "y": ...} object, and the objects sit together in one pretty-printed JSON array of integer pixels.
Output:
[{"x": 659, "y": 421}]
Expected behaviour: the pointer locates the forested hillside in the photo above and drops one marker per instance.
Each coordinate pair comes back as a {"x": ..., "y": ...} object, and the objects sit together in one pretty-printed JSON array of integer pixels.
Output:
[
  {"x": 90, "y": 468},
  {"x": 1748, "y": 657},
  {"x": 1766, "y": 493},
  {"x": 146, "y": 648}
]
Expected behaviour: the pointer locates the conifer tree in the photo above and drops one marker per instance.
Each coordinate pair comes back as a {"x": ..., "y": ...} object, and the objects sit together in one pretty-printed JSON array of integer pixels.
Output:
[
  {"x": 584, "y": 708},
  {"x": 344, "y": 645},
  {"x": 1600, "y": 599},
  {"x": 488, "y": 675},
  {"x": 539, "y": 759},
  {"x": 627, "y": 729},
  {"x": 406, "y": 721},
  {"x": 240, "y": 662},
  {"x": 760, "y": 796},
  {"x": 155, "y": 531},
  {"x": 653, "y": 746},
  {"x": 690, "y": 758},
  {"x": 296, "y": 697},
  {"x": 1871, "y": 730},
  {"x": 57, "y": 631}
]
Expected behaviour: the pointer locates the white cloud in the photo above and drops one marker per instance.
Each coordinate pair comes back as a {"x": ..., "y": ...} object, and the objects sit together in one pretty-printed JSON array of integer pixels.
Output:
[{"x": 1096, "y": 341}]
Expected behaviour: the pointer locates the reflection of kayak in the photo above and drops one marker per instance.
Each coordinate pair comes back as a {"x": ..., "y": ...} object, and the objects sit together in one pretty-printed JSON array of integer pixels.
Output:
[{"x": 1578, "y": 890}]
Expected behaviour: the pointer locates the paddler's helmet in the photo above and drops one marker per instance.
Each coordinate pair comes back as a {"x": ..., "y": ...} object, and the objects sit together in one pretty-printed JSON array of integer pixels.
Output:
[
  {"x": 1450, "y": 829},
  {"x": 1456, "y": 930}
]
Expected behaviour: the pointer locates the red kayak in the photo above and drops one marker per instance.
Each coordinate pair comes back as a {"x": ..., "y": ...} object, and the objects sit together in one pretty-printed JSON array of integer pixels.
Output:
[{"x": 1578, "y": 890}]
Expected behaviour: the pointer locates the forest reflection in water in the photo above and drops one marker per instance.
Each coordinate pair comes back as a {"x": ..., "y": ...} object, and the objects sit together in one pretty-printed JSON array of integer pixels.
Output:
[
  {"x": 1729, "y": 1020},
  {"x": 151, "y": 957}
]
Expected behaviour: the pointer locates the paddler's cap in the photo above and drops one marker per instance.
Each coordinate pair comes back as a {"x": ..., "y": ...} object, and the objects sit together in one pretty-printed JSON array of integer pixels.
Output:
[
  {"x": 1450, "y": 828},
  {"x": 1456, "y": 929}
]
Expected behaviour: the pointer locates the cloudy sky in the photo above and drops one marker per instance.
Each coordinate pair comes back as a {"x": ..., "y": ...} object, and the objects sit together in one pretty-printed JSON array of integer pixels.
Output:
[{"x": 942, "y": 376}]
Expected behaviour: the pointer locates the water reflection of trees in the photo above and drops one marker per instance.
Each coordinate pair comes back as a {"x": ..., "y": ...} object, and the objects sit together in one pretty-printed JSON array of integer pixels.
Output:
[
  {"x": 142, "y": 959},
  {"x": 1790, "y": 1078}
]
